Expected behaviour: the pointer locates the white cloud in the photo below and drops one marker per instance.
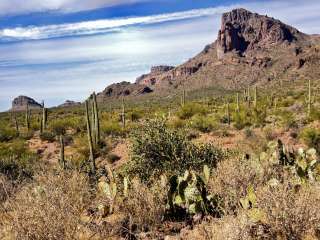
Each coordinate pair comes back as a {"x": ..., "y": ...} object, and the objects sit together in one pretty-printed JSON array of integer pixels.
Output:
[
  {"x": 100, "y": 26},
  {"x": 14, "y": 7}
]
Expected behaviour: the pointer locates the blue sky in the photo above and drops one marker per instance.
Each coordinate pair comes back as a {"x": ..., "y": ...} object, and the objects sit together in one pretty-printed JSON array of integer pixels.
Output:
[{"x": 55, "y": 50}]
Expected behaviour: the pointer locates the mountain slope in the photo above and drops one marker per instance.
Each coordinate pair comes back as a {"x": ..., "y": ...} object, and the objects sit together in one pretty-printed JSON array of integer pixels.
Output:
[{"x": 250, "y": 49}]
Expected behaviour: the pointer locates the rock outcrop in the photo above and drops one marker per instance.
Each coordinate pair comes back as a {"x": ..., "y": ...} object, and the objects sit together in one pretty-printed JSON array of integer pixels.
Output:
[
  {"x": 69, "y": 103},
  {"x": 243, "y": 30},
  {"x": 151, "y": 78},
  {"x": 20, "y": 103},
  {"x": 118, "y": 90}
]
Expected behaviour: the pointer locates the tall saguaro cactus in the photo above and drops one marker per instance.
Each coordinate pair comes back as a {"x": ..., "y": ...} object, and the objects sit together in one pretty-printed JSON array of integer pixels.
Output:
[
  {"x": 92, "y": 160},
  {"x": 255, "y": 96},
  {"x": 183, "y": 97},
  {"x": 228, "y": 113},
  {"x": 27, "y": 118},
  {"x": 123, "y": 115},
  {"x": 309, "y": 100},
  {"x": 62, "y": 159},
  {"x": 96, "y": 122},
  {"x": 44, "y": 118},
  {"x": 16, "y": 122},
  {"x": 238, "y": 104}
]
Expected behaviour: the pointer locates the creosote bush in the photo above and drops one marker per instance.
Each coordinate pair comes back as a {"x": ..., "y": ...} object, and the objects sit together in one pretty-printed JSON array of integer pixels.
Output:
[{"x": 156, "y": 150}]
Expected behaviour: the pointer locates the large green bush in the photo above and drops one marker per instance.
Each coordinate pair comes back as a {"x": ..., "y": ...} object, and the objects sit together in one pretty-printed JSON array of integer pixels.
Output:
[
  {"x": 16, "y": 162},
  {"x": 7, "y": 133},
  {"x": 156, "y": 150},
  {"x": 191, "y": 109}
]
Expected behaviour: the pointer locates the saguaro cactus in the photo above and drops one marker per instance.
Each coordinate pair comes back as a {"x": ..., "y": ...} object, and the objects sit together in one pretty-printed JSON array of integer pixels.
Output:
[
  {"x": 96, "y": 118},
  {"x": 123, "y": 115},
  {"x": 255, "y": 96},
  {"x": 238, "y": 105},
  {"x": 92, "y": 160},
  {"x": 62, "y": 159},
  {"x": 16, "y": 122},
  {"x": 27, "y": 118},
  {"x": 228, "y": 113},
  {"x": 183, "y": 98},
  {"x": 44, "y": 118},
  {"x": 309, "y": 99}
]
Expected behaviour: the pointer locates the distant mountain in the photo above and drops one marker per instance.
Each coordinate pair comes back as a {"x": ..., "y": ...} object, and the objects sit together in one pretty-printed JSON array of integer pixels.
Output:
[
  {"x": 69, "y": 103},
  {"x": 250, "y": 49},
  {"x": 20, "y": 103}
]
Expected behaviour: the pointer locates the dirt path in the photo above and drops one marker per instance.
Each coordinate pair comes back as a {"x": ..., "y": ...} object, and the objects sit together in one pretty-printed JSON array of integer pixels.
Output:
[{"x": 49, "y": 151}]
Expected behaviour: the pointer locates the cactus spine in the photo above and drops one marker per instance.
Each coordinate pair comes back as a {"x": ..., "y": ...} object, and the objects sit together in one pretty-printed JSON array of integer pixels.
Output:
[
  {"x": 62, "y": 159},
  {"x": 92, "y": 160}
]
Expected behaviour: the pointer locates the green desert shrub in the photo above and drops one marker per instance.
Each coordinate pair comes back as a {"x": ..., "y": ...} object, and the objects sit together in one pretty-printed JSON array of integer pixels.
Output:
[
  {"x": 287, "y": 119},
  {"x": 16, "y": 162},
  {"x": 7, "y": 133},
  {"x": 176, "y": 123},
  {"x": 156, "y": 150},
  {"x": 311, "y": 137},
  {"x": 241, "y": 120},
  {"x": 58, "y": 127},
  {"x": 203, "y": 123},
  {"x": 47, "y": 136},
  {"x": 111, "y": 128},
  {"x": 191, "y": 109}
]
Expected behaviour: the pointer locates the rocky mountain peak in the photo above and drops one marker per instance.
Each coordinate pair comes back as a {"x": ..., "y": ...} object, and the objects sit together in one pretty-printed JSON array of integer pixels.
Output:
[
  {"x": 242, "y": 30},
  {"x": 20, "y": 103}
]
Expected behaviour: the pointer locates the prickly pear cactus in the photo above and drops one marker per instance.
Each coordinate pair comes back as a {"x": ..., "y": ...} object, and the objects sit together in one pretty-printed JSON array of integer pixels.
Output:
[
  {"x": 307, "y": 165},
  {"x": 188, "y": 193}
]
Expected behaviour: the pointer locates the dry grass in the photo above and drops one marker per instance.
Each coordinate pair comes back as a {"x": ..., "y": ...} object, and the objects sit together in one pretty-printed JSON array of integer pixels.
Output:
[
  {"x": 50, "y": 208},
  {"x": 144, "y": 207}
]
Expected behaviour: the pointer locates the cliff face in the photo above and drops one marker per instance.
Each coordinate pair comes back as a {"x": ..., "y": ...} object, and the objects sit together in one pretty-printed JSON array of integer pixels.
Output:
[
  {"x": 242, "y": 30},
  {"x": 20, "y": 103}
]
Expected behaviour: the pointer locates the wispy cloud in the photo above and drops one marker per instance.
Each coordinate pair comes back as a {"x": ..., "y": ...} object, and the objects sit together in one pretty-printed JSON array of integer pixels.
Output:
[
  {"x": 13, "y": 7},
  {"x": 99, "y": 26}
]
